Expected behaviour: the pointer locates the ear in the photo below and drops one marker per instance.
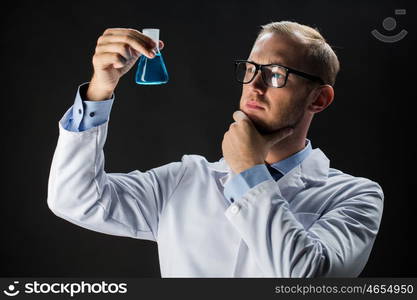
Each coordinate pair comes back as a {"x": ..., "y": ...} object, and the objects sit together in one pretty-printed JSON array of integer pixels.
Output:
[{"x": 322, "y": 97}]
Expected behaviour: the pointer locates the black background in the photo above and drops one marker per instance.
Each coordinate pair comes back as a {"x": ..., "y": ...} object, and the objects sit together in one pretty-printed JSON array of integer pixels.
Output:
[{"x": 46, "y": 51}]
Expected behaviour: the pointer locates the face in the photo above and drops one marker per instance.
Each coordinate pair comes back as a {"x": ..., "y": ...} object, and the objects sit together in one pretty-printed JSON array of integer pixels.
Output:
[{"x": 280, "y": 107}]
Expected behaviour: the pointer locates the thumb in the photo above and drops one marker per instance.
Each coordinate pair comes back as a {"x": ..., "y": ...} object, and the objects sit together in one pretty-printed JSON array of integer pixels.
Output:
[
  {"x": 281, "y": 134},
  {"x": 239, "y": 115}
]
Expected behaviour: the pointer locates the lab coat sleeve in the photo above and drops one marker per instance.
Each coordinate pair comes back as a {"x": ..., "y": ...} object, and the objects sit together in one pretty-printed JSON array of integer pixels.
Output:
[
  {"x": 122, "y": 204},
  {"x": 337, "y": 244}
]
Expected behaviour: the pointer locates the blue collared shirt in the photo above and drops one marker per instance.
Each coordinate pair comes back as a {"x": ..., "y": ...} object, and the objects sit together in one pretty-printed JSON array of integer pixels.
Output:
[{"x": 88, "y": 114}]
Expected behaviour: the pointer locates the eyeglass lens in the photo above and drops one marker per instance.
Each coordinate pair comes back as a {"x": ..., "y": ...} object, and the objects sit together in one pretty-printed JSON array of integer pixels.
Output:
[{"x": 272, "y": 75}]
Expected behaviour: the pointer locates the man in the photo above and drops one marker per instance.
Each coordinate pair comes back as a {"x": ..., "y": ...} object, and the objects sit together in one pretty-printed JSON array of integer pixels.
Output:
[{"x": 271, "y": 207}]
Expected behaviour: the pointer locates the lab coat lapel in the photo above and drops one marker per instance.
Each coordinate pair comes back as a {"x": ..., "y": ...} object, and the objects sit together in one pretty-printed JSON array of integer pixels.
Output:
[{"x": 312, "y": 171}]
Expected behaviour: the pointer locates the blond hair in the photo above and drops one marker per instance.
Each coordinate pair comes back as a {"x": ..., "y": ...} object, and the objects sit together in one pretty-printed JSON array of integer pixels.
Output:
[{"x": 319, "y": 55}]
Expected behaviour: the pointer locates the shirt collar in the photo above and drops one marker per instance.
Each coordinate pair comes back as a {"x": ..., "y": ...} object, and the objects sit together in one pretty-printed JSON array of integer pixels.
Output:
[{"x": 286, "y": 165}]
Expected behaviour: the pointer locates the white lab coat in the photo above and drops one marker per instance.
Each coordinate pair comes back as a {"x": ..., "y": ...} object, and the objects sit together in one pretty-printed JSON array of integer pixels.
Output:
[{"x": 315, "y": 221}]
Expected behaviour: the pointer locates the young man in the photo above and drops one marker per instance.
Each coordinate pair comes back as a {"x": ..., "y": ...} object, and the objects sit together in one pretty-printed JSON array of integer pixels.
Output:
[{"x": 271, "y": 207}]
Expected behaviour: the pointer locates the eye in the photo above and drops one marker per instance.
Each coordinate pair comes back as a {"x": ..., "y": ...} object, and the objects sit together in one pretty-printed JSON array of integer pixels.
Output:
[
  {"x": 277, "y": 71},
  {"x": 251, "y": 69}
]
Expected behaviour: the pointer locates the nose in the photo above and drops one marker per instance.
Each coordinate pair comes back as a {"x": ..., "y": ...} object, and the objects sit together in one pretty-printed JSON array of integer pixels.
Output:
[{"x": 258, "y": 83}]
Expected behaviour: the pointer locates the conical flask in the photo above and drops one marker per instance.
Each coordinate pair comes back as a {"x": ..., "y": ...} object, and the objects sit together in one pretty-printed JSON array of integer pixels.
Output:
[{"x": 152, "y": 71}]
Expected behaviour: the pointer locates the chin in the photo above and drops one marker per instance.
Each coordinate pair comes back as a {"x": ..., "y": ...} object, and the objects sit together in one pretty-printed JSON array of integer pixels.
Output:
[
  {"x": 261, "y": 126},
  {"x": 264, "y": 128}
]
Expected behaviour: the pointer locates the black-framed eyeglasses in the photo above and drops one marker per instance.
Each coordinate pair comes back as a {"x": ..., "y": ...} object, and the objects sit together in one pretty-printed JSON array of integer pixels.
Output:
[{"x": 274, "y": 75}]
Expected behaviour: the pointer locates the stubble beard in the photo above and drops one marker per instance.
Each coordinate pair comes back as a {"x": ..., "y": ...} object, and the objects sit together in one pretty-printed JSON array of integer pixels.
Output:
[{"x": 287, "y": 119}]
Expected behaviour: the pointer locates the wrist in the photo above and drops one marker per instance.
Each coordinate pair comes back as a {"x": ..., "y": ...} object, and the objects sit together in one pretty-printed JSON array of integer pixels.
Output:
[
  {"x": 96, "y": 92},
  {"x": 245, "y": 166}
]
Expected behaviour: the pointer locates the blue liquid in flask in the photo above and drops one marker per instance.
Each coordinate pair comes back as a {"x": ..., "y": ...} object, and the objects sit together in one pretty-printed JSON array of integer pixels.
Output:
[{"x": 151, "y": 71}]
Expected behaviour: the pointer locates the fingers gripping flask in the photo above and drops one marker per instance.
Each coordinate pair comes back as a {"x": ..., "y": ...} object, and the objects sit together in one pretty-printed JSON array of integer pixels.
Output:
[{"x": 152, "y": 71}]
